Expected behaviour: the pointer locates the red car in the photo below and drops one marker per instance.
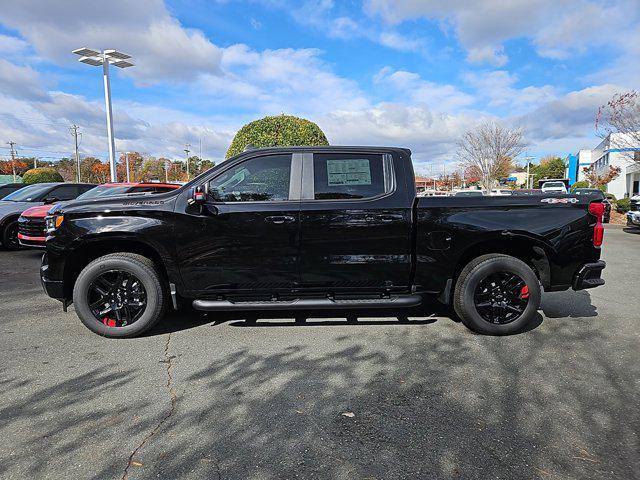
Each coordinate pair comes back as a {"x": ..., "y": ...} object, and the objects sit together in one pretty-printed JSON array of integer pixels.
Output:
[{"x": 31, "y": 228}]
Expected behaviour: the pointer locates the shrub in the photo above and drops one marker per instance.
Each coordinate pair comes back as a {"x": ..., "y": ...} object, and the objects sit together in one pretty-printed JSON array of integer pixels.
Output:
[
  {"x": 41, "y": 175},
  {"x": 623, "y": 205},
  {"x": 277, "y": 131},
  {"x": 581, "y": 184}
]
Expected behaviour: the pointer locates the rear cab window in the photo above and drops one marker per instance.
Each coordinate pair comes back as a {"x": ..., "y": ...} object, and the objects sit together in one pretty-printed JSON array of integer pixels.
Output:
[{"x": 344, "y": 176}]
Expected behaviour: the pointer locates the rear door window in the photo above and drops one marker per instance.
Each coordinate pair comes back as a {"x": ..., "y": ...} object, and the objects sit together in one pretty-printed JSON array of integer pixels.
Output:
[
  {"x": 64, "y": 192},
  {"x": 340, "y": 176}
]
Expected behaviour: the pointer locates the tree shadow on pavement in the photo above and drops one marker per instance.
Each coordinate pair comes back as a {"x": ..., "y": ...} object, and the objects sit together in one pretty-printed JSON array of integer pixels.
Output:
[{"x": 451, "y": 406}]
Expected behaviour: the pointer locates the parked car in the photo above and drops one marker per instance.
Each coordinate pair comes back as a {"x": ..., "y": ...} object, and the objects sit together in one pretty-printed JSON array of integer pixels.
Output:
[
  {"x": 7, "y": 188},
  {"x": 597, "y": 193},
  {"x": 519, "y": 192},
  {"x": 469, "y": 193},
  {"x": 28, "y": 196},
  {"x": 554, "y": 187},
  {"x": 501, "y": 191},
  {"x": 348, "y": 233},
  {"x": 31, "y": 224},
  {"x": 633, "y": 215}
]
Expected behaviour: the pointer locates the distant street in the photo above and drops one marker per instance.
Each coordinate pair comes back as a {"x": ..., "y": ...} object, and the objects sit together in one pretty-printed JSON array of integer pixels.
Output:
[{"x": 363, "y": 397}]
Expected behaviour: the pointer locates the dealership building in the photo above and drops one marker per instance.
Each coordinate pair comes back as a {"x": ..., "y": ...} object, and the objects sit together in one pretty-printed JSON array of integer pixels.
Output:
[{"x": 614, "y": 151}]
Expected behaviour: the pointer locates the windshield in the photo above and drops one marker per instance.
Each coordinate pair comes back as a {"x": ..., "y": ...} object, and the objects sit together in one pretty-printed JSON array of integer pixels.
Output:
[
  {"x": 102, "y": 191},
  {"x": 554, "y": 185},
  {"x": 31, "y": 193},
  {"x": 589, "y": 191}
]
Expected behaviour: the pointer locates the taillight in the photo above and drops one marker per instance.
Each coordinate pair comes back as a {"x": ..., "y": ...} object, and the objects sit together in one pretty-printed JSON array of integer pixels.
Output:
[{"x": 597, "y": 209}]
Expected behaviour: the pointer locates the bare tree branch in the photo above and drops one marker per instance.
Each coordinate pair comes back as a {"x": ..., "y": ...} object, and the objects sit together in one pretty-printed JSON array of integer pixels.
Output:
[
  {"x": 621, "y": 115},
  {"x": 489, "y": 150}
]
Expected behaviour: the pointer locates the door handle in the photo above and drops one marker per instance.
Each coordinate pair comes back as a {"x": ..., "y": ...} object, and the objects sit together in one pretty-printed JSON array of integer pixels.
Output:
[
  {"x": 279, "y": 219},
  {"x": 388, "y": 217}
]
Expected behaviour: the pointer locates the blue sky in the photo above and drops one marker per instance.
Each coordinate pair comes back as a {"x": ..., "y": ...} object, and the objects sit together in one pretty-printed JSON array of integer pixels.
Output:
[{"x": 414, "y": 73}]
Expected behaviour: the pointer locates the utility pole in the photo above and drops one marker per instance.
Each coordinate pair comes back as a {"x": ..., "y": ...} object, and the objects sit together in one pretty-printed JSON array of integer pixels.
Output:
[
  {"x": 13, "y": 158},
  {"x": 74, "y": 131},
  {"x": 126, "y": 159},
  {"x": 186, "y": 151},
  {"x": 528, "y": 159}
]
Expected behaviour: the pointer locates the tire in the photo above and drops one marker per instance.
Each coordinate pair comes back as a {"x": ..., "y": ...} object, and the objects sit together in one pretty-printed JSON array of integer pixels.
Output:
[
  {"x": 479, "y": 273},
  {"x": 10, "y": 236},
  {"x": 133, "y": 265}
]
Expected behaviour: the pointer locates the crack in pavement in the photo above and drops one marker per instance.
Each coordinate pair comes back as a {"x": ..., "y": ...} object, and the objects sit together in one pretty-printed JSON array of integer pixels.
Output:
[{"x": 172, "y": 396}]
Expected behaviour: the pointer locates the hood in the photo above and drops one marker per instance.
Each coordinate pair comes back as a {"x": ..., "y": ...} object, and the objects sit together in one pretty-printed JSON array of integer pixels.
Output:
[
  {"x": 10, "y": 208},
  {"x": 38, "y": 212}
]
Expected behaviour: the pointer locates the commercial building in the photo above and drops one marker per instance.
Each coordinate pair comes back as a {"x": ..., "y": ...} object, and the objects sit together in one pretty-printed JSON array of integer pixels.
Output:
[
  {"x": 614, "y": 151},
  {"x": 576, "y": 163}
]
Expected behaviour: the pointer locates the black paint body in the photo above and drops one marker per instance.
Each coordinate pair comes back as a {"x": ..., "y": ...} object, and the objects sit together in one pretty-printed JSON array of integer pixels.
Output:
[{"x": 393, "y": 243}]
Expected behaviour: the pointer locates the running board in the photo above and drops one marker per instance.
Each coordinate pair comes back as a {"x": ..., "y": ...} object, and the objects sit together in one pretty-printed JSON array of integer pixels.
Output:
[{"x": 310, "y": 304}]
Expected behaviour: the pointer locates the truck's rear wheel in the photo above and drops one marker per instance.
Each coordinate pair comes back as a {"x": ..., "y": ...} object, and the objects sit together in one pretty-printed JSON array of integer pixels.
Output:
[
  {"x": 497, "y": 295},
  {"x": 119, "y": 295}
]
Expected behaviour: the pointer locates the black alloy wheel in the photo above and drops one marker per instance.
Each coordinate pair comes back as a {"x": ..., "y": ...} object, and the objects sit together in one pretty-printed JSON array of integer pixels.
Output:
[
  {"x": 501, "y": 297},
  {"x": 117, "y": 298},
  {"x": 497, "y": 294},
  {"x": 10, "y": 236}
]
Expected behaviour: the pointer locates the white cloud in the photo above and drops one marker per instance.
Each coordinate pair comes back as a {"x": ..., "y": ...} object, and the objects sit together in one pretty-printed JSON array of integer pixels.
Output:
[
  {"x": 571, "y": 115},
  {"x": 20, "y": 82},
  {"x": 398, "y": 42},
  {"x": 162, "y": 48},
  {"x": 498, "y": 89},
  {"x": 430, "y": 135},
  {"x": 284, "y": 80},
  {"x": 411, "y": 87},
  {"x": 556, "y": 28}
]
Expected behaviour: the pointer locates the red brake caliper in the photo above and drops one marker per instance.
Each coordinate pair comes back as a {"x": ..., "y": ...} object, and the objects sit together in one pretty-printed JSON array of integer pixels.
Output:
[
  {"x": 109, "y": 322},
  {"x": 524, "y": 292}
]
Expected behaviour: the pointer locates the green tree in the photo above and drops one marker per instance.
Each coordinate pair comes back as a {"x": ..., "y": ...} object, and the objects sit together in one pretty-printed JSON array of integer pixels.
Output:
[
  {"x": 277, "y": 131},
  {"x": 549, "y": 167},
  {"x": 41, "y": 175},
  {"x": 581, "y": 184}
]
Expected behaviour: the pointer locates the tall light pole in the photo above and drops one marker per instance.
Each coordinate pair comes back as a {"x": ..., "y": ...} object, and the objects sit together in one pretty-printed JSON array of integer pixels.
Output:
[{"x": 105, "y": 58}]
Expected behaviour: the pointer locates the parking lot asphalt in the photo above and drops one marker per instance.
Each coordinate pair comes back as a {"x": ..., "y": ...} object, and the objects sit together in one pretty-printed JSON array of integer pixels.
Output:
[{"x": 363, "y": 396}]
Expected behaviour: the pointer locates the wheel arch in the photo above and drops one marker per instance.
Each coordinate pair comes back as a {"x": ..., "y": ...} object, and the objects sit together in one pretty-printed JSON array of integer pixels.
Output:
[
  {"x": 89, "y": 250},
  {"x": 532, "y": 251}
]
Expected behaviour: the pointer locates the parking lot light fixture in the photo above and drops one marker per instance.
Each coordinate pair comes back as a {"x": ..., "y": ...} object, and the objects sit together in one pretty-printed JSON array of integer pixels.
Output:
[{"x": 105, "y": 58}]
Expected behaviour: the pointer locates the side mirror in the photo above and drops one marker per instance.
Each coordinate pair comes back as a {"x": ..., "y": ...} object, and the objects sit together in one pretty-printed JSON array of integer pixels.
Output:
[
  {"x": 50, "y": 200},
  {"x": 198, "y": 196}
]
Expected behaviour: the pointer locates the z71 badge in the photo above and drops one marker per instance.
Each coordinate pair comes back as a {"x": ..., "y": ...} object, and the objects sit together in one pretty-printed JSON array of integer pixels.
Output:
[{"x": 560, "y": 200}]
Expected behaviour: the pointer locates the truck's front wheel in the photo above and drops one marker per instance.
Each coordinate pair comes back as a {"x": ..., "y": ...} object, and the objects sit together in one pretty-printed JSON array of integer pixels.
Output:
[
  {"x": 119, "y": 295},
  {"x": 497, "y": 295}
]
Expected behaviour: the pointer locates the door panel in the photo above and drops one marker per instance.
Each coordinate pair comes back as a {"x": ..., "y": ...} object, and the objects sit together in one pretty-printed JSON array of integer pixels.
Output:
[
  {"x": 246, "y": 237},
  {"x": 350, "y": 243}
]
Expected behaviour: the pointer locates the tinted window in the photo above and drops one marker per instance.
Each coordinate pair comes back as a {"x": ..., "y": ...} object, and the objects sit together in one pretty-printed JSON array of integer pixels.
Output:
[
  {"x": 64, "y": 192},
  {"x": 142, "y": 189},
  {"x": 85, "y": 188},
  {"x": 31, "y": 193},
  {"x": 345, "y": 176},
  {"x": 258, "y": 179}
]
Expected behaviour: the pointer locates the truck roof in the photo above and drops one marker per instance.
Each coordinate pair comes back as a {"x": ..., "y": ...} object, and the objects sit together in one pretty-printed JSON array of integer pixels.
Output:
[{"x": 326, "y": 148}]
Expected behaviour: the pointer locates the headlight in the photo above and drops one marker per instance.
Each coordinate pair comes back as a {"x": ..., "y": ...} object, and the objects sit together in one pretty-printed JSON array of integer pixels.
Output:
[{"x": 52, "y": 222}]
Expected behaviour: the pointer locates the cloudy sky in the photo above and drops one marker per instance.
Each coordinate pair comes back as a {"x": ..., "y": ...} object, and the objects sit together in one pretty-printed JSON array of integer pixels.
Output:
[{"x": 411, "y": 73}]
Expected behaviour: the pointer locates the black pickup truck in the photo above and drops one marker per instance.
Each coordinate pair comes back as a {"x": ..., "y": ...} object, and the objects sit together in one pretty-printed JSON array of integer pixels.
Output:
[{"x": 317, "y": 228}]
